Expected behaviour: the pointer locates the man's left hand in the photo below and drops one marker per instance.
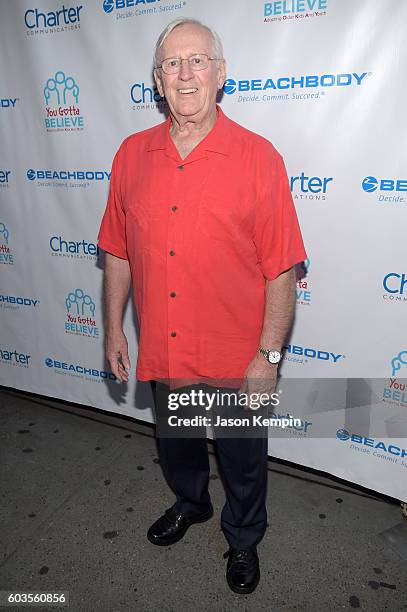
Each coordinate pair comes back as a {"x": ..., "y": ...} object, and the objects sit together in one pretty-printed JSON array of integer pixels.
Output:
[{"x": 260, "y": 377}]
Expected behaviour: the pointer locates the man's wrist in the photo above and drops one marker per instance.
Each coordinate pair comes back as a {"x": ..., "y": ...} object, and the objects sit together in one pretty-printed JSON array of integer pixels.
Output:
[{"x": 271, "y": 355}]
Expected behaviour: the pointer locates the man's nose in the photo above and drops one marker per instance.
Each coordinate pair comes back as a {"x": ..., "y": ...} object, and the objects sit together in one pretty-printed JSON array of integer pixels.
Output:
[{"x": 185, "y": 72}]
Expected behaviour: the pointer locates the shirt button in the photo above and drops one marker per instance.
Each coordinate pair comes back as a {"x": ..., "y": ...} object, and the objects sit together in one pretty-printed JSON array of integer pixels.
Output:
[
  {"x": 173, "y": 334},
  {"x": 173, "y": 294},
  {"x": 172, "y": 253},
  {"x": 174, "y": 208},
  {"x": 180, "y": 167}
]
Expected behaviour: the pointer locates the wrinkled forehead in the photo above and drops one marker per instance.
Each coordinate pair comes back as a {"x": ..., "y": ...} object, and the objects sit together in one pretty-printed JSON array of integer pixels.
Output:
[{"x": 185, "y": 40}]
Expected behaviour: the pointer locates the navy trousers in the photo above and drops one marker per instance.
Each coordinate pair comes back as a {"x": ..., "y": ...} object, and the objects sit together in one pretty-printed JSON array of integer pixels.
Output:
[{"x": 243, "y": 469}]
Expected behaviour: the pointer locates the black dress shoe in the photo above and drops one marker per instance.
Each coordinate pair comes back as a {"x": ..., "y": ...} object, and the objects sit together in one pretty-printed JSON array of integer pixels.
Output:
[
  {"x": 242, "y": 572},
  {"x": 172, "y": 526}
]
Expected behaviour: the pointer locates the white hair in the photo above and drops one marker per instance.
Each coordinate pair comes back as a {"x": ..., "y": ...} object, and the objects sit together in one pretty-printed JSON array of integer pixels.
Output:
[{"x": 217, "y": 44}]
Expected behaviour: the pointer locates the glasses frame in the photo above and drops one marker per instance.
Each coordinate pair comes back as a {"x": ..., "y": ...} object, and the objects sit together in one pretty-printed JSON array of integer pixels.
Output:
[{"x": 186, "y": 59}]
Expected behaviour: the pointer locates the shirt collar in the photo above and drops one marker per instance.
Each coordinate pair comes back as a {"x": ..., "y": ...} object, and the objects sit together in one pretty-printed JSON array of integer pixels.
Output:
[{"x": 216, "y": 141}]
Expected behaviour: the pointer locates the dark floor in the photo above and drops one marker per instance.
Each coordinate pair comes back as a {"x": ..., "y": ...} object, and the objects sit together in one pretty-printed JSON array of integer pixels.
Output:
[{"x": 78, "y": 496}]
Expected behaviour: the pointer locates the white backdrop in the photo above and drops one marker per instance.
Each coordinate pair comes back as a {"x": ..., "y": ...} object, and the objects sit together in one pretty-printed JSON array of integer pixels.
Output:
[{"x": 324, "y": 81}]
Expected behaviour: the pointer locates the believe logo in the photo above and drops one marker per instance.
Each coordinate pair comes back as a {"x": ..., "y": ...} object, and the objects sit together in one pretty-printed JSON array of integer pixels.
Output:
[
  {"x": 80, "y": 314},
  {"x": 6, "y": 255},
  {"x": 61, "y": 95},
  {"x": 303, "y": 291}
]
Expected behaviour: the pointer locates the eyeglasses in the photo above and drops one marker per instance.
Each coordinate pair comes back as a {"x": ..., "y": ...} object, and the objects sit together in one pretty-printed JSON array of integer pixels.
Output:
[{"x": 198, "y": 61}]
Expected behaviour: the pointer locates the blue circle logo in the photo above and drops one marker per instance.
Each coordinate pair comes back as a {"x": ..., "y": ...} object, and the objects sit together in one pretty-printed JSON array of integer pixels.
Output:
[
  {"x": 370, "y": 184},
  {"x": 229, "y": 86},
  {"x": 342, "y": 434},
  {"x": 108, "y": 6},
  {"x": 48, "y": 362},
  {"x": 31, "y": 174}
]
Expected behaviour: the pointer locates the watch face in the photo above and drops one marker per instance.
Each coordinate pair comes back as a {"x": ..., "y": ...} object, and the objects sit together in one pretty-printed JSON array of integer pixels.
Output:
[{"x": 274, "y": 356}]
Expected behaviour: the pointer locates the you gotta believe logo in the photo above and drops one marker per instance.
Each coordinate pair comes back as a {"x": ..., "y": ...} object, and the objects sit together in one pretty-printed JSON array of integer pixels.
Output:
[
  {"x": 390, "y": 190},
  {"x": 80, "y": 314},
  {"x": 6, "y": 254},
  {"x": 61, "y": 96},
  {"x": 302, "y": 290},
  {"x": 394, "y": 392},
  {"x": 303, "y": 87},
  {"x": 282, "y": 10}
]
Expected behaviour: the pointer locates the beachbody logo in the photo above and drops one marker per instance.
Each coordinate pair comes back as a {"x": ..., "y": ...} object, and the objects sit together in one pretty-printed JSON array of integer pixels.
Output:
[
  {"x": 14, "y": 301},
  {"x": 79, "y": 249},
  {"x": 8, "y": 102},
  {"x": 4, "y": 178},
  {"x": 61, "y": 96},
  {"x": 360, "y": 443},
  {"x": 300, "y": 354},
  {"x": 70, "y": 179},
  {"x": 285, "y": 10},
  {"x": 6, "y": 255},
  {"x": 309, "y": 187},
  {"x": 263, "y": 87},
  {"x": 60, "y": 20},
  {"x": 79, "y": 371},
  {"x": 141, "y": 7},
  {"x": 80, "y": 314},
  {"x": 395, "y": 286},
  {"x": 371, "y": 184},
  {"x": 302, "y": 290},
  {"x": 9, "y": 356},
  {"x": 146, "y": 97}
]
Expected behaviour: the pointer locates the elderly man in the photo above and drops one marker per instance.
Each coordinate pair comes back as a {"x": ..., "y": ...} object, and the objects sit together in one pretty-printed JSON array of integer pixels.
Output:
[{"x": 200, "y": 218}]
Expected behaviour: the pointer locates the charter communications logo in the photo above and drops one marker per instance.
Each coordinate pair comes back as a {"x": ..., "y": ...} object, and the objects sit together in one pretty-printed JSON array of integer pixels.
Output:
[
  {"x": 59, "y": 20},
  {"x": 124, "y": 9},
  {"x": 12, "y": 357},
  {"x": 389, "y": 189},
  {"x": 5, "y": 178},
  {"x": 395, "y": 287},
  {"x": 79, "y": 249},
  {"x": 286, "y": 87}
]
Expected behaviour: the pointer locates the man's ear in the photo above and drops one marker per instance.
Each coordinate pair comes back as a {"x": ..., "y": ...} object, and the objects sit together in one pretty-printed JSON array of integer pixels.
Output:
[
  {"x": 221, "y": 74},
  {"x": 158, "y": 82}
]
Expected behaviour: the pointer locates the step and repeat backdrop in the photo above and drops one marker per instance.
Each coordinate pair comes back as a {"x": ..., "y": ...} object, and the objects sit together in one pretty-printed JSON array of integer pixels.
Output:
[{"x": 324, "y": 80}]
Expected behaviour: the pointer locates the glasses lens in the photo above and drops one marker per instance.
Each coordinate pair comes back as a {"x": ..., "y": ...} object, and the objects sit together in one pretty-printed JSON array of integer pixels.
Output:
[
  {"x": 171, "y": 65},
  {"x": 196, "y": 62}
]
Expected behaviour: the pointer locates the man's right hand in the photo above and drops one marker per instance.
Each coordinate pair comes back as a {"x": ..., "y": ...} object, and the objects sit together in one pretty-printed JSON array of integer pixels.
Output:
[{"x": 117, "y": 355}]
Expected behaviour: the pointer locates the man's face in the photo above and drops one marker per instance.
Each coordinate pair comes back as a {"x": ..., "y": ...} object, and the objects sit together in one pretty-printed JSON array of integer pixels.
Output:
[{"x": 190, "y": 94}]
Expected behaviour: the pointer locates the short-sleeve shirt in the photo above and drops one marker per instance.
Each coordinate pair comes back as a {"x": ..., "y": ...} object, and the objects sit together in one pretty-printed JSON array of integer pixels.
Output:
[{"x": 202, "y": 235}]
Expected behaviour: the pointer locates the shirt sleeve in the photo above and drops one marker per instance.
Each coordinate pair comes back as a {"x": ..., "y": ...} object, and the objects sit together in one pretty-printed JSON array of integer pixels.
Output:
[
  {"x": 277, "y": 234},
  {"x": 112, "y": 232}
]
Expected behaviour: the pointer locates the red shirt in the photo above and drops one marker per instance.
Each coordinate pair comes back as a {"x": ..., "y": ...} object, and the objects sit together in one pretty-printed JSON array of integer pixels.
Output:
[{"x": 202, "y": 235}]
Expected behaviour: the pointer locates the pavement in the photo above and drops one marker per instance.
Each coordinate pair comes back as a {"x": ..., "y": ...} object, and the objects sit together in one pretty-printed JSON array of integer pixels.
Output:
[{"x": 80, "y": 487}]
